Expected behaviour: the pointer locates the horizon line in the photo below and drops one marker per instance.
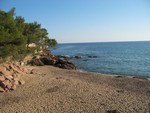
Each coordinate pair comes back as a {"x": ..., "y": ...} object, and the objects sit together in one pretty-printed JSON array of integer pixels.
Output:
[{"x": 103, "y": 42}]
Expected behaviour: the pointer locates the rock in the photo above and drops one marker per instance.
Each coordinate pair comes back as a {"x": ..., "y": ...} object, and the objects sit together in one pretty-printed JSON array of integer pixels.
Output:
[
  {"x": 6, "y": 73},
  {"x": 120, "y": 91},
  {"x": 16, "y": 76},
  {"x": 11, "y": 71},
  {"x": 33, "y": 71},
  {"x": 2, "y": 68},
  {"x": 47, "y": 60},
  {"x": 6, "y": 84},
  {"x": 21, "y": 82},
  {"x": 6, "y": 66},
  {"x": 13, "y": 87},
  {"x": 36, "y": 62},
  {"x": 22, "y": 63},
  {"x": 16, "y": 68},
  {"x": 8, "y": 77},
  {"x": 9, "y": 86},
  {"x": 16, "y": 82},
  {"x": 1, "y": 89},
  {"x": 2, "y": 78},
  {"x": 64, "y": 56},
  {"x": 24, "y": 70},
  {"x": 85, "y": 60},
  {"x": 92, "y": 56},
  {"x": 77, "y": 57},
  {"x": 66, "y": 65},
  {"x": 138, "y": 77}
]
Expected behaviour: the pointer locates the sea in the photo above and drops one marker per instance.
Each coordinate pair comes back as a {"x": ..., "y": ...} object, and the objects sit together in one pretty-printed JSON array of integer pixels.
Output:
[{"x": 116, "y": 58}]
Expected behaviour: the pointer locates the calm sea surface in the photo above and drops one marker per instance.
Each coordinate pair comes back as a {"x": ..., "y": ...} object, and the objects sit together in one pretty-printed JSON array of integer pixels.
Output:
[{"x": 121, "y": 58}]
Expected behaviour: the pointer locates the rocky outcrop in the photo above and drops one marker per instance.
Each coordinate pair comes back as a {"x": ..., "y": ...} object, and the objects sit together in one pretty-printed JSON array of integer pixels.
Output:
[
  {"x": 11, "y": 76},
  {"x": 36, "y": 62},
  {"x": 46, "y": 58},
  {"x": 75, "y": 57},
  {"x": 65, "y": 64}
]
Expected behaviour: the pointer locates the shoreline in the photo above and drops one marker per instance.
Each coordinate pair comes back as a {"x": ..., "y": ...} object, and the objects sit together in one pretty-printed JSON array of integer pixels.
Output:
[
  {"x": 119, "y": 75},
  {"x": 56, "y": 90},
  {"x": 68, "y": 58}
]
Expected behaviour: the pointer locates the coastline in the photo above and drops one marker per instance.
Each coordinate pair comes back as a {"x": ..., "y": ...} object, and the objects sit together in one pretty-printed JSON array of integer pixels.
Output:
[
  {"x": 115, "y": 75},
  {"x": 52, "y": 89}
]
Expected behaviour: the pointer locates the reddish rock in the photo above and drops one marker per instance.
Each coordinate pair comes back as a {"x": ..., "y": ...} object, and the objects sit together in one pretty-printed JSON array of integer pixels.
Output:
[
  {"x": 6, "y": 82},
  {"x": 13, "y": 87},
  {"x": 20, "y": 68},
  {"x": 12, "y": 71},
  {"x": 27, "y": 71},
  {"x": 2, "y": 78},
  {"x": 7, "y": 66},
  {"x": 2, "y": 68},
  {"x": 7, "y": 73},
  {"x": 16, "y": 69},
  {"x": 9, "y": 86},
  {"x": 8, "y": 77},
  {"x": 17, "y": 77},
  {"x": 16, "y": 82}
]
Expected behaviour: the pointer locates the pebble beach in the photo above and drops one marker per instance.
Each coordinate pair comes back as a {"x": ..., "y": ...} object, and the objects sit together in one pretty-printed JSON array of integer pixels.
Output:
[{"x": 55, "y": 90}]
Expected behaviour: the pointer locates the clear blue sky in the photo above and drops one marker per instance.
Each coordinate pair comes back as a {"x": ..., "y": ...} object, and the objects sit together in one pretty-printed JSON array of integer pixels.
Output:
[{"x": 87, "y": 20}]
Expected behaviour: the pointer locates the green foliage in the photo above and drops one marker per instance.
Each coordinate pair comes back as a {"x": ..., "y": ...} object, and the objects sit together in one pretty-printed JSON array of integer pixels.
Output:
[
  {"x": 16, "y": 35},
  {"x": 51, "y": 42}
]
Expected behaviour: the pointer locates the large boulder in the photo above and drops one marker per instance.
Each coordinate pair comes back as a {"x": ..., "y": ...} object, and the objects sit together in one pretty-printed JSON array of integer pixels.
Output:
[
  {"x": 46, "y": 58},
  {"x": 36, "y": 62},
  {"x": 65, "y": 65}
]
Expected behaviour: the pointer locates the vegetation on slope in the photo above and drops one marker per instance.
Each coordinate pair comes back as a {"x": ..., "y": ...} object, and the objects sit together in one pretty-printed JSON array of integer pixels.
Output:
[{"x": 16, "y": 35}]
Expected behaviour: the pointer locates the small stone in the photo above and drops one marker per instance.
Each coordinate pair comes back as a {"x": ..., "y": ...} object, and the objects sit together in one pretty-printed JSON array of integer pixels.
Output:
[
  {"x": 16, "y": 82},
  {"x": 7, "y": 73},
  {"x": 33, "y": 71},
  {"x": 2, "y": 68},
  {"x": 24, "y": 70},
  {"x": 12, "y": 71},
  {"x": 9, "y": 86},
  {"x": 14, "y": 87},
  {"x": 22, "y": 63},
  {"x": 16, "y": 69},
  {"x": 21, "y": 82},
  {"x": 1, "y": 89},
  {"x": 6, "y": 82},
  {"x": 9, "y": 77},
  {"x": 17, "y": 77},
  {"x": 2, "y": 78},
  {"x": 7, "y": 66}
]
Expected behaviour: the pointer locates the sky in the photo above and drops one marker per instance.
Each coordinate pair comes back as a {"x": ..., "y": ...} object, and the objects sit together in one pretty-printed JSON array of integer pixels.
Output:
[{"x": 73, "y": 21}]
